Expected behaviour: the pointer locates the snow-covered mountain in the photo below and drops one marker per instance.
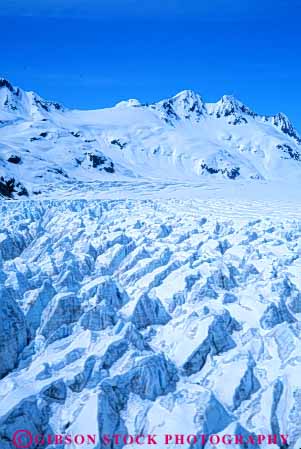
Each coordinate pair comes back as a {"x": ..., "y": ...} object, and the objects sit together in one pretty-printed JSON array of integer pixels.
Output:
[{"x": 46, "y": 149}]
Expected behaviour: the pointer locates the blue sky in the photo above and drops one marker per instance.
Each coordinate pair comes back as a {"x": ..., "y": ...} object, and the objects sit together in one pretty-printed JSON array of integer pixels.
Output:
[{"x": 94, "y": 53}]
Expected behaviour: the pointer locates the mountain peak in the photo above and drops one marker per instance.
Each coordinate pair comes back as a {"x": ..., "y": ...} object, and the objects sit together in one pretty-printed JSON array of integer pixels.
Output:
[
  {"x": 18, "y": 102},
  {"x": 282, "y": 121},
  {"x": 187, "y": 93},
  {"x": 229, "y": 105},
  {"x": 132, "y": 102},
  {"x": 5, "y": 83},
  {"x": 229, "y": 99},
  {"x": 186, "y": 104}
]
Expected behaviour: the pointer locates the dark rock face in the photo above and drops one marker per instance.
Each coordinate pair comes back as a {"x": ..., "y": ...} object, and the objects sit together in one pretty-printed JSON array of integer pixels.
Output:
[
  {"x": 47, "y": 105},
  {"x": 97, "y": 160},
  {"x": 232, "y": 173},
  {"x": 290, "y": 152},
  {"x": 110, "y": 168},
  {"x": 187, "y": 105},
  {"x": 101, "y": 162},
  {"x": 13, "y": 332},
  {"x": 170, "y": 113},
  {"x": 281, "y": 121},
  {"x": 238, "y": 121},
  {"x": 9, "y": 186},
  {"x": 120, "y": 144},
  {"x": 5, "y": 83},
  {"x": 14, "y": 159},
  {"x": 58, "y": 171}
]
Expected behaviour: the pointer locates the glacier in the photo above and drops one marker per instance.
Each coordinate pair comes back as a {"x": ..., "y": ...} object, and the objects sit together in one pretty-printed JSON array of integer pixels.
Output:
[
  {"x": 149, "y": 271},
  {"x": 150, "y": 316}
]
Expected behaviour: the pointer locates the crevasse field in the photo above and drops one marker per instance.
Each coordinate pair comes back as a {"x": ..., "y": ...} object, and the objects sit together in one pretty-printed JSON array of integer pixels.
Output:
[
  {"x": 168, "y": 304},
  {"x": 149, "y": 317}
]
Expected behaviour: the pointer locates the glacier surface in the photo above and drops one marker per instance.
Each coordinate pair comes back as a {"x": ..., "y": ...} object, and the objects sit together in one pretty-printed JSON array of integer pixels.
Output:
[{"x": 142, "y": 316}]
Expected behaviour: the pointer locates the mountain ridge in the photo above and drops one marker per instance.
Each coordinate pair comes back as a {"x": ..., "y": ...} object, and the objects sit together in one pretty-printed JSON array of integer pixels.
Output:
[{"x": 43, "y": 143}]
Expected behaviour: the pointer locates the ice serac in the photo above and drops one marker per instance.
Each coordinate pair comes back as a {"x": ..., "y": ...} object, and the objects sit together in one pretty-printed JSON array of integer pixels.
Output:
[
  {"x": 64, "y": 309},
  {"x": 216, "y": 417},
  {"x": 111, "y": 293},
  {"x": 29, "y": 416},
  {"x": 218, "y": 340},
  {"x": 151, "y": 377},
  {"x": 278, "y": 390},
  {"x": 111, "y": 401},
  {"x": 38, "y": 301},
  {"x": 248, "y": 385},
  {"x": 274, "y": 315},
  {"x": 98, "y": 318},
  {"x": 115, "y": 350},
  {"x": 13, "y": 332},
  {"x": 56, "y": 392},
  {"x": 148, "y": 311},
  {"x": 246, "y": 436},
  {"x": 80, "y": 380}
]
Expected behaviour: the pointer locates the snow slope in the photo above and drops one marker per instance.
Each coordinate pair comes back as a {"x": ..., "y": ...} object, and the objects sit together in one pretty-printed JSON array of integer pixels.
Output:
[{"x": 46, "y": 149}]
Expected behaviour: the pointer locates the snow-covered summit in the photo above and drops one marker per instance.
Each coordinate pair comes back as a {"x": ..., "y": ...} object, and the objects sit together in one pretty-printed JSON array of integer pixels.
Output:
[
  {"x": 229, "y": 105},
  {"x": 44, "y": 146},
  {"x": 15, "y": 102},
  {"x": 132, "y": 102},
  {"x": 186, "y": 105}
]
